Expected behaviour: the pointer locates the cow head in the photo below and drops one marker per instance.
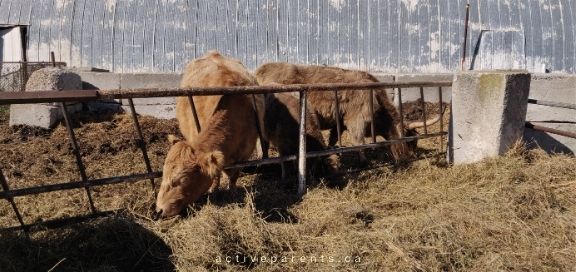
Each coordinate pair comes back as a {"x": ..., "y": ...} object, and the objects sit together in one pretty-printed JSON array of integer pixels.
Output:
[{"x": 187, "y": 175}]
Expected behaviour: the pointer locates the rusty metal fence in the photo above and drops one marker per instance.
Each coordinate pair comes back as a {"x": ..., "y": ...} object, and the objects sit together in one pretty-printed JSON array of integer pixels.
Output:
[
  {"x": 14, "y": 75},
  {"x": 530, "y": 125},
  {"x": 129, "y": 94}
]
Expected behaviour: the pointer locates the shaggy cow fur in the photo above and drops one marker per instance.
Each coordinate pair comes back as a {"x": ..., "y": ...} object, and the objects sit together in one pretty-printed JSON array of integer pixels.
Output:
[{"x": 193, "y": 166}]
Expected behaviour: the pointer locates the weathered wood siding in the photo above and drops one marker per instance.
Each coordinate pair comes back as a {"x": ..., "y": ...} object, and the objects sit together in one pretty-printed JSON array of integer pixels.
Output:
[{"x": 390, "y": 36}]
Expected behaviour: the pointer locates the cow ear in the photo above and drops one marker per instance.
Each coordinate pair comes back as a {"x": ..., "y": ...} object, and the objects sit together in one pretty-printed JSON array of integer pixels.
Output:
[
  {"x": 214, "y": 162},
  {"x": 173, "y": 139}
]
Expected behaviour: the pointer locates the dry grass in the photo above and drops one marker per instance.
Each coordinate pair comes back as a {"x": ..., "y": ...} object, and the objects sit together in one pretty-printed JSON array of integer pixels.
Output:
[{"x": 517, "y": 212}]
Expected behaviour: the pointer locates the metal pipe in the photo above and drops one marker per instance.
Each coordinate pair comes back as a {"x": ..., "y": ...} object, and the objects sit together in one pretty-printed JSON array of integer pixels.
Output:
[
  {"x": 6, "y": 188},
  {"x": 314, "y": 154},
  {"x": 263, "y": 145},
  {"x": 302, "y": 146},
  {"x": 337, "y": 117},
  {"x": 568, "y": 134},
  {"x": 465, "y": 42},
  {"x": 76, "y": 151},
  {"x": 441, "y": 118},
  {"x": 138, "y": 177},
  {"x": 53, "y": 59},
  {"x": 89, "y": 95},
  {"x": 552, "y": 104},
  {"x": 141, "y": 143},
  {"x": 401, "y": 110},
  {"x": 77, "y": 185},
  {"x": 423, "y": 104},
  {"x": 194, "y": 113},
  {"x": 372, "y": 129}
]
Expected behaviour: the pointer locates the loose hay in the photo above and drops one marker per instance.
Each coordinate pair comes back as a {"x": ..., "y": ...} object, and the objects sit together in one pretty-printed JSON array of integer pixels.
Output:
[{"x": 516, "y": 212}]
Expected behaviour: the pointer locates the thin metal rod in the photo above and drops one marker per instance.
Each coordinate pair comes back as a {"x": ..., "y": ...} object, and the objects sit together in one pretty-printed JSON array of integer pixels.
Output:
[
  {"x": 551, "y": 130},
  {"x": 372, "y": 129},
  {"x": 53, "y": 59},
  {"x": 141, "y": 143},
  {"x": 465, "y": 42},
  {"x": 337, "y": 117},
  {"x": 76, "y": 151},
  {"x": 552, "y": 104},
  {"x": 138, "y": 177},
  {"x": 194, "y": 113},
  {"x": 259, "y": 129},
  {"x": 441, "y": 119},
  {"x": 77, "y": 185},
  {"x": 302, "y": 146},
  {"x": 6, "y": 188},
  {"x": 401, "y": 110},
  {"x": 90, "y": 95},
  {"x": 315, "y": 154},
  {"x": 423, "y": 104}
]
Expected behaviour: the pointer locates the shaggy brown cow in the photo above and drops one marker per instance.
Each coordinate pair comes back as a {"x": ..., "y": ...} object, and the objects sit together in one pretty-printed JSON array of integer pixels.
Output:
[
  {"x": 228, "y": 134},
  {"x": 354, "y": 106},
  {"x": 282, "y": 124}
]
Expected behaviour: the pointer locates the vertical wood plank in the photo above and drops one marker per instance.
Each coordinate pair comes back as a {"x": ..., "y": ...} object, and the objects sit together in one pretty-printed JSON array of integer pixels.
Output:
[
  {"x": 108, "y": 35},
  {"x": 569, "y": 36}
]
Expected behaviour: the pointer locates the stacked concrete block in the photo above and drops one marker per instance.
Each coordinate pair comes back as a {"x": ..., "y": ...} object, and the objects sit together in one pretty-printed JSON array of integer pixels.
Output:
[
  {"x": 46, "y": 115},
  {"x": 553, "y": 88},
  {"x": 488, "y": 114}
]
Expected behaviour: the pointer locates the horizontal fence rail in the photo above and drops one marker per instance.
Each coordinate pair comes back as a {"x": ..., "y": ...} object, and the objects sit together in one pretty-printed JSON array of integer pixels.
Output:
[
  {"x": 552, "y": 104},
  {"x": 300, "y": 156},
  {"x": 90, "y": 95},
  {"x": 568, "y": 134}
]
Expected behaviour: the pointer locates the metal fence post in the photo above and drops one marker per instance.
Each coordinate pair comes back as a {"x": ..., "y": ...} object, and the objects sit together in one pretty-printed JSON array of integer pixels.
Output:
[
  {"x": 76, "y": 151},
  {"x": 5, "y": 187},
  {"x": 302, "y": 146},
  {"x": 194, "y": 113},
  {"x": 141, "y": 143}
]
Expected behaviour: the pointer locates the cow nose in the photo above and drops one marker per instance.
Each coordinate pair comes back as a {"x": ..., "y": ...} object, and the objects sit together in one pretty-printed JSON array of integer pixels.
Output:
[{"x": 157, "y": 214}]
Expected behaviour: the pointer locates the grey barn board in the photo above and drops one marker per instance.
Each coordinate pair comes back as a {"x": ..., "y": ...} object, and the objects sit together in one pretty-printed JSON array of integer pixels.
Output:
[{"x": 379, "y": 36}]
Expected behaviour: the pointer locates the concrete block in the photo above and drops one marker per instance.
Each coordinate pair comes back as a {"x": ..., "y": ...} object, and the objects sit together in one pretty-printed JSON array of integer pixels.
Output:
[
  {"x": 157, "y": 111},
  {"x": 38, "y": 115},
  {"x": 46, "y": 115},
  {"x": 488, "y": 113},
  {"x": 136, "y": 81},
  {"x": 430, "y": 93},
  {"x": 555, "y": 88}
]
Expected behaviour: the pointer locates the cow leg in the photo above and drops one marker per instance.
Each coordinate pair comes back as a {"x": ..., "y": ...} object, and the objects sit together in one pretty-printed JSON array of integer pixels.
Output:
[
  {"x": 283, "y": 168},
  {"x": 357, "y": 129},
  {"x": 333, "y": 139},
  {"x": 233, "y": 175},
  {"x": 215, "y": 184}
]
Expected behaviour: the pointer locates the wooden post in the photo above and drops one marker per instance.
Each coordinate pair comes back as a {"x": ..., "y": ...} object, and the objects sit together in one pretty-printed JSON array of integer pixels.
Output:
[{"x": 302, "y": 146}]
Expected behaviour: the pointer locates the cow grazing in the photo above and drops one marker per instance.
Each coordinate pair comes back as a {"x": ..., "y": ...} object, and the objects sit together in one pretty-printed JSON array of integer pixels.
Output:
[
  {"x": 281, "y": 126},
  {"x": 354, "y": 105},
  {"x": 228, "y": 133}
]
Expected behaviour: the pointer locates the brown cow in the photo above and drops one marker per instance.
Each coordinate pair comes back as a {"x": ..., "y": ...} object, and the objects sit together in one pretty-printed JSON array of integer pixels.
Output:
[
  {"x": 354, "y": 105},
  {"x": 282, "y": 125},
  {"x": 228, "y": 134}
]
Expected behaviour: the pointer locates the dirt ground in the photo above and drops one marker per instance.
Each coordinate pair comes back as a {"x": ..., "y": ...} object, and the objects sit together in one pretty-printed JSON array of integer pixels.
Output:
[{"x": 512, "y": 213}]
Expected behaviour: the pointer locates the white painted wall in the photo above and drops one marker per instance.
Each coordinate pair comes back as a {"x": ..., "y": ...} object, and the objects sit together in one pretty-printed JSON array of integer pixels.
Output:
[{"x": 11, "y": 44}]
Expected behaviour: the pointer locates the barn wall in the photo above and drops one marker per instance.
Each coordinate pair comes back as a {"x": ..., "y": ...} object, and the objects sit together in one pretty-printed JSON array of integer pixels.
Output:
[{"x": 382, "y": 36}]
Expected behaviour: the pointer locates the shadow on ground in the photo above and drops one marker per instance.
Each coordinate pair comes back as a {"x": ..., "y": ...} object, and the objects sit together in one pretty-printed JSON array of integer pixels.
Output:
[{"x": 106, "y": 244}]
